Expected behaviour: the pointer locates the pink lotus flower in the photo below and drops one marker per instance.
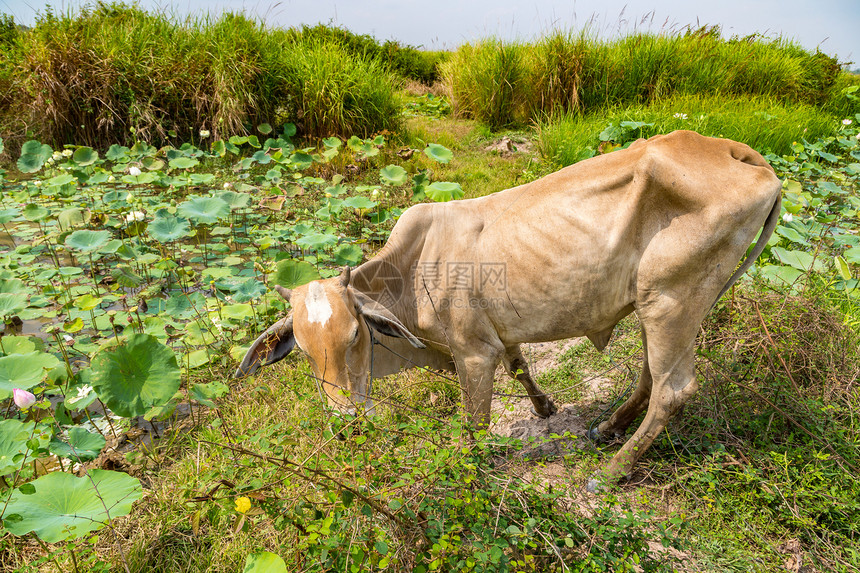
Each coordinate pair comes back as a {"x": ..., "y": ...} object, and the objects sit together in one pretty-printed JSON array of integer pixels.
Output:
[{"x": 23, "y": 399}]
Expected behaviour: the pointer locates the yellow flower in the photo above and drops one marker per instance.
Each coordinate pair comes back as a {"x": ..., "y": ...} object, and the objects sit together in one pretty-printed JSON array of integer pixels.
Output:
[{"x": 243, "y": 504}]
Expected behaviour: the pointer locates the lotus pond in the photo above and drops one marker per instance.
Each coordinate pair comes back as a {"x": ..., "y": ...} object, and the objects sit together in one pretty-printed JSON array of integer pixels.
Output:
[{"x": 130, "y": 276}]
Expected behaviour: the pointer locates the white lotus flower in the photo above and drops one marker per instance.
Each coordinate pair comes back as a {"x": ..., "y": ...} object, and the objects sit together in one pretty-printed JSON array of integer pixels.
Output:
[
  {"x": 227, "y": 185},
  {"x": 67, "y": 153},
  {"x": 133, "y": 171},
  {"x": 374, "y": 194},
  {"x": 111, "y": 179},
  {"x": 56, "y": 155},
  {"x": 204, "y": 133},
  {"x": 787, "y": 217},
  {"x": 135, "y": 216}
]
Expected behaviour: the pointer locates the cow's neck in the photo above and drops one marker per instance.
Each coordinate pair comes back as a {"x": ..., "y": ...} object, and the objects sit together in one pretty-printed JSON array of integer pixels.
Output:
[{"x": 387, "y": 279}]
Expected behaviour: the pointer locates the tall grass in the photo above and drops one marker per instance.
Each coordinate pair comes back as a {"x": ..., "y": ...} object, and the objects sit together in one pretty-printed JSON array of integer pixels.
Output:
[
  {"x": 578, "y": 72},
  {"x": 115, "y": 73},
  {"x": 760, "y": 122}
]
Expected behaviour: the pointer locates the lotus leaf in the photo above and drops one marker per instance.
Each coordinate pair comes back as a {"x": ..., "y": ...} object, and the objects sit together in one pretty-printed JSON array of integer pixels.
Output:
[
  {"x": 81, "y": 446},
  {"x": 168, "y": 229},
  {"x": 84, "y": 156},
  {"x": 132, "y": 378},
  {"x": 393, "y": 175},
  {"x": 11, "y": 304},
  {"x": 24, "y": 371},
  {"x": 204, "y": 210},
  {"x": 444, "y": 191},
  {"x": 87, "y": 241},
  {"x": 33, "y": 212},
  {"x": 348, "y": 255},
  {"x": 317, "y": 241},
  {"x": 183, "y": 162},
  {"x": 291, "y": 273},
  {"x": 438, "y": 153},
  {"x": 14, "y": 436},
  {"x": 359, "y": 202},
  {"x": 7, "y": 215},
  {"x": 61, "y": 506}
]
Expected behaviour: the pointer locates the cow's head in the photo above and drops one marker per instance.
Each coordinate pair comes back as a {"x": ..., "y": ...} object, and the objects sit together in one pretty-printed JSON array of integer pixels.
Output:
[{"x": 332, "y": 323}]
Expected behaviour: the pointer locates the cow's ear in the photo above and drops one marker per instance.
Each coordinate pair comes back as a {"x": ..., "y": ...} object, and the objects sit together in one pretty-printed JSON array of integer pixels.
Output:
[
  {"x": 382, "y": 320},
  {"x": 273, "y": 345}
]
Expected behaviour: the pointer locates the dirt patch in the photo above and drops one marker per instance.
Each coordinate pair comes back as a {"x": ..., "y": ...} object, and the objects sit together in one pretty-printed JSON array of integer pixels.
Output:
[{"x": 507, "y": 146}]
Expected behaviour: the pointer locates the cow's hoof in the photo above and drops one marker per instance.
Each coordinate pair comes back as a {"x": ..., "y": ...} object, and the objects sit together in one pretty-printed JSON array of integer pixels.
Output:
[
  {"x": 594, "y": 486},
  {"x": 551, "y": 407},
  {"x": 596, "y": 436}
]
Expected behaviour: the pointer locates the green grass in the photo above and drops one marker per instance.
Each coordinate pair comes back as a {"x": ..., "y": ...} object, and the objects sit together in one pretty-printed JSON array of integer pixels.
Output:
[
  {"x": 502, "y": 84},
  {"x": 116, "y": 74},
  {"x": 762, "y": 123}
]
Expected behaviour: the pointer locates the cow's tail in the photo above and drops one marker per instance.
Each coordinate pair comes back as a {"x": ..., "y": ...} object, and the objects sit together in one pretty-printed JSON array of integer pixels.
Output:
[{"x": 766, "y": 232}]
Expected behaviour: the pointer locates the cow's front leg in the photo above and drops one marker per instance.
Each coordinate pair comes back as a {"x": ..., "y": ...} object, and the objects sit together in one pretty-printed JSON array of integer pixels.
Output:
[
  {"x": 518, "y": 368},
  {"x": 476, "y": 385}
]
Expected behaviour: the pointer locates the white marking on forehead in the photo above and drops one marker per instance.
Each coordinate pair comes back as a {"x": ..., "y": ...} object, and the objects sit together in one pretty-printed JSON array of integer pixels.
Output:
[{"x": 316, "y": 302}]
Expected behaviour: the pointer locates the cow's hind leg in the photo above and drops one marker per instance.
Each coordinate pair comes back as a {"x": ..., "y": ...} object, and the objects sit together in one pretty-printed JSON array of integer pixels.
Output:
[
  {"x": 518, "y": 368},
  {"x": 670, "y": 362},
  {"x": 621, "y": 419}
]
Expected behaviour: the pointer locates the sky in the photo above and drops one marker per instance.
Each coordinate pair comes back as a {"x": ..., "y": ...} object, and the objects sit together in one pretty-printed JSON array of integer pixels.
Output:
[{"x": 833, "y": 26}]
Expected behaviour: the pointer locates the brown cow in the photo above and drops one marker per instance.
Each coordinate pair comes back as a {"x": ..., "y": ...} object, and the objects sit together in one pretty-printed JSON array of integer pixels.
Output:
[{"x": 657, "y": 228}]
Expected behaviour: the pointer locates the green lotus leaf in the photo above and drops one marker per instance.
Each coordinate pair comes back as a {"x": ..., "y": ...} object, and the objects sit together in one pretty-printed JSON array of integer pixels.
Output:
[
  {"x": 20, "y": 345},
  {"x": 7, "y": 215},
  {"x": 249, "y": 290},
  {"x": 444, "y": 191},
  {"x": 144, "y": 178},
  {"x": 301, "y": 161},
  {"x": 332, "y": 142},
  {"x": 206, "y": 394},
  {"x": 88, "y": 302},
  {"x": 84, "y": 156},
  {"x": 72, "y": 217},
  {"x": 239, "y": 312},
  {"x": 126, "y": 278},
  {"x": 14, "y": 436},
  {"x": 291, "y": 273},
  {"x": 87, "y": 241},
  {"x": 134, "y": 377},
  {"x": 116, "y": 152},
  {"x": 204, "y": 210},
  {"x": 61, "y": 506},
  {"x": 359, "y": 202},
  {"x": 33, "y": 212},
  {"x": 800, "y": 260},
  {"x": 393, "y": 175},
  {"x": 168, "y": 229},
  {"x": 60, "y": 180},
  {"x": 317, "y": 241},
  {"x": 264, "y": 562},
  {"x": 264, "y": 128},
  {"x": 438, "y": 153},
  {"x": 348, "y": 255},
  {"x": 11, "y": 304},
  {"x": 81, "y": 446},
  {"x": 24, "y": 371},
  {"x": 235, "y": 200},
  {"x": 183, "y": 162},
  {"x": 13, "y": 286}
]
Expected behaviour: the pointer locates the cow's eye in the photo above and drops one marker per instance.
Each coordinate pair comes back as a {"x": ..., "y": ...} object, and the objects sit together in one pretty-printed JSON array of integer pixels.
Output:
[{"x": 354, "y": 336}]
